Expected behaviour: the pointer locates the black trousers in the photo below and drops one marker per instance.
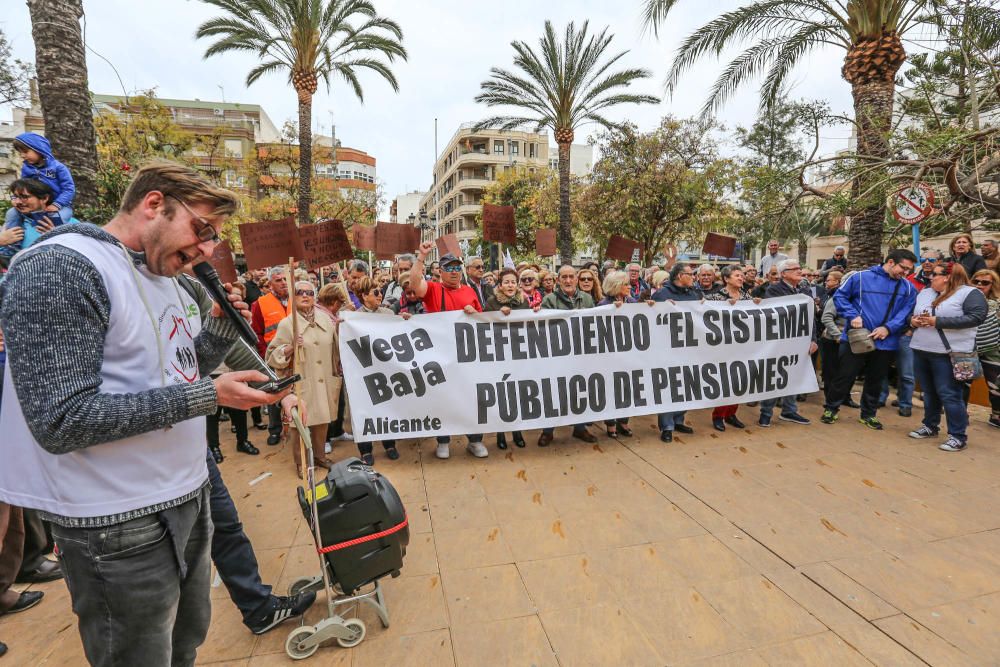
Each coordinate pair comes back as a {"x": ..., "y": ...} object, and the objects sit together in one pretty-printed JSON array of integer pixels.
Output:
[
  {"x": 238, "y": 419},
  {"x": 875, "y": 366},
  {"x": 829, "y": 351},
  {"x": 274, "y": 425},
  {"x": 336, "y": 427},
  {"x": 37, "y": 541}
]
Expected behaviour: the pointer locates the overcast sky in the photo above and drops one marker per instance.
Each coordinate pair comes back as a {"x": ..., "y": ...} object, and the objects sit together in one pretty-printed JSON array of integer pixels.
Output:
[{"x": 452, "y": 44}]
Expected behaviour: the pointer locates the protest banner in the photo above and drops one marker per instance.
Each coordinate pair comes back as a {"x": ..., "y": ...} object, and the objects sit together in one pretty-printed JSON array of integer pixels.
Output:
[
  {"x": 269, "y": 243},
  {"x": 364, "y": 237},
  {"x": 498, "y": 224},
  {"x": 448, "y": 244},
  {"x": 324, "y": 243},
  {"x": 621, "y": 248},
  {"x": 451, "y": 373},
  {"x": 395, "y": 239},
  {"x": 222, "y": 261},
  {"x": 545, "y": 242}
]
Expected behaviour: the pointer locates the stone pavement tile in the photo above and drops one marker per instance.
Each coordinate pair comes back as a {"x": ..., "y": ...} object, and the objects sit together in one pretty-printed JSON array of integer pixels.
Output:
[
  {"x": 458, "y": 483},
  {"x": 971, "y": 625},
  {"x": 472, "y": 547},
  {"x": 599, "y": 470},
  {"x": 703, "y": 559},
  {"x": 759, "y": 610},
  {"x": 759, "y": 557},
  {"x": 848, "y": 625},
  {"x": 580, "y": 499},
  {"x": 557, "y": 473},
  {"x": 736, "y": 659},
  {"x": 604, "y": 530},
  {"x": 416, "y": 604},
  {"x": 504, "y": 479},
  {"x": 271, "y": 525},
  {"x": 923, "y": 642},
  {"x": 810, "y": 540},
  {"x": 662, "y": 520},
  {"x": 231, "y": 663},
  {"x": 931, "y": 516},
  {"x": 456, "y": 513},
  {"x": 271, "y": 563},
  {"x": 300, "y": 561},
  {"x": 228, "y": 638},
  {"x": 782, "y": 449},
  {"x": 419, "y": 516},
  {"x": 541, "y": 538},
  {"x": 819, "y": 650},
  {"x": 328, "y": 655},
  {"x": 683, "y": 626},
  {"x": 977, "y": 507},
  {"x": 878, "y": 527},
  {"x": 512, "y": 642},
  {"x": 414, "y": 650},
  {"x": 820, "y": 497},
  {"x": 748, "y": 507},
  {"x": 565, "y": 582},
  {"x": 848, "y": 591},
  {"x": 523, "y": 505},
  {"x": 31, "y": 641},
  {"x": 486, "y": 594},
  {"x": 421, "y": 556},
  {"x": 598, "y": 635},
  {"x": 636, "y": 570}
]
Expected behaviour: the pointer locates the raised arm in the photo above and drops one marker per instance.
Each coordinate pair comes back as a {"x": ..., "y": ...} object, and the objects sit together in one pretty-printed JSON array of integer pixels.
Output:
[{"x": 417, "y": 281}]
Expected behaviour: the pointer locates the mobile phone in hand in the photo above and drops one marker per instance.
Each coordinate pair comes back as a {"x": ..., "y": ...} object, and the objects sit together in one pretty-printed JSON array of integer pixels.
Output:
[{"x": 275, "y": 386}]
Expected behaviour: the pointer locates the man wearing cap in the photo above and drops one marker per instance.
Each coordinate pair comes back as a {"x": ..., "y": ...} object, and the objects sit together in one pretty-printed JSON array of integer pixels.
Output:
[{"x": 439, "y": 297}]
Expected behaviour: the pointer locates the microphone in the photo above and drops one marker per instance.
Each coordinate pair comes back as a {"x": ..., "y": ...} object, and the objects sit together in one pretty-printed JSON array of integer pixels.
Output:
[{"x": 209, "y": 277}]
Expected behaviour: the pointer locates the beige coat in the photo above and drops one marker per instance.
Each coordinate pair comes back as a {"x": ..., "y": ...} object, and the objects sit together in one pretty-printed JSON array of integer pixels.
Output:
[{"x": 318, "y": 361}]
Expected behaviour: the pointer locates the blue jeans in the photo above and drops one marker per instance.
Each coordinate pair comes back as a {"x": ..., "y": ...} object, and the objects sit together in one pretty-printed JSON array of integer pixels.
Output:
[
  {"x": 667, "y": 420},
  {"x": 232, "y": 552},
  {"x": 788, "y": 406},
  {"x": 904, "y": 372},
  {"x": 941, "y": 392},
  {"x": 140, "y": 588}
]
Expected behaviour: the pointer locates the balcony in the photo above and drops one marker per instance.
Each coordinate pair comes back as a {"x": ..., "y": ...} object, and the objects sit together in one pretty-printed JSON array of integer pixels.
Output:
[{"x": 469, "y": 208}]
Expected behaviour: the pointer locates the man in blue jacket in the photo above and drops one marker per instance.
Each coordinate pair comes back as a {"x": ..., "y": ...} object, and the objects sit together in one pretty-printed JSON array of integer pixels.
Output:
[
  {"x": 881, "y": 301},
  {"x": 39, "y": 163}
]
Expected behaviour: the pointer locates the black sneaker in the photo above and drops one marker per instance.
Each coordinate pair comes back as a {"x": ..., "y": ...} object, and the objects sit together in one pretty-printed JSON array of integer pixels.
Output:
[
  {"x": 793, "y": 417},
  {"x": 764, "y": 422},
  {"x": 280, "y": 609},
  {"x": 368, "y": 459},
  {"x": 735, "y": 422},
  {"x": 260, "y": 426},
  {"x": 829, "y": 416},
  {"x": 667, "y": 436},
  {"x": 392, "y": 453},
  {"x": 247, "y": 448},
  {"x": 273, "y": 439}
]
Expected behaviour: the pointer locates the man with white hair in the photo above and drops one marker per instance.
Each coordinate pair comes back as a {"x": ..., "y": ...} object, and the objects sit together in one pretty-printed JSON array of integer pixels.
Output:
[
  {"x": 636, "y": 285},
  {"x": 772, "y": 257},
  {"x": 838, "y": 261},
  {"x": 705, "y": 279}
]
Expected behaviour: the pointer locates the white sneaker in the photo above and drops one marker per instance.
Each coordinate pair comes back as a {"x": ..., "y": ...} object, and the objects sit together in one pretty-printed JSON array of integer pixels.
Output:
[
  {"x": 477, "y": 449},
  {"x": 343, "y": 437},
  {"x": 443, "y": 450}
]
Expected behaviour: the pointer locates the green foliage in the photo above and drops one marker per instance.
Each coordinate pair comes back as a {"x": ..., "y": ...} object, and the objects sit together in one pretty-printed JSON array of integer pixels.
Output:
[
  {"x": 14, "y": 75},
  {"x": 656, "y": 187}
]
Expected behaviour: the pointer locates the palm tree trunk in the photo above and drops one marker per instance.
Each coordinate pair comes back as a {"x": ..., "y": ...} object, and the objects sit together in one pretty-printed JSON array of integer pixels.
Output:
[
  {"x": 565, "y": 219},
  {"x": 873, "y": 115},
  {"x": 64, "y": 92},
  {"x": 305, "y": 156}
]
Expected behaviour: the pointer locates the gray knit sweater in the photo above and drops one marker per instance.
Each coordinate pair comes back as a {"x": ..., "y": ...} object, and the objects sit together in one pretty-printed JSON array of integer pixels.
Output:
[{"x": 54, "y": 312}]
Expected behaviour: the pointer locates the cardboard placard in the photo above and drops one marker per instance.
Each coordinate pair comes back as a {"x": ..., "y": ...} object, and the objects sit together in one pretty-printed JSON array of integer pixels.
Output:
[
  {"x": 448, "y": 244},
  {"x": 545, "y": 242},
  {"x": 324, "y": 243},
  {"x": 498, "y": 224},
  {"x": 364, "y": 237},
  {"x": 395, "y": 239},
  {"x": 621, "y": 248},
  {"x": 719, "y": 245},
  {"x": 223, "y": 263},
  {"x": 270, "y": 243}
]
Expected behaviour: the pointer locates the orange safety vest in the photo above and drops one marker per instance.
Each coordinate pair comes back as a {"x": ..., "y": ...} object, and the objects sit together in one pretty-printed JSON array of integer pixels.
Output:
[{"x": 273, "y": 312}]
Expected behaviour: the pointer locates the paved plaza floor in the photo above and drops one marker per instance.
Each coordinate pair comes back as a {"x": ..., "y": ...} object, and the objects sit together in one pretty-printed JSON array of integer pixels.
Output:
[{"x": 794, "y": 545}]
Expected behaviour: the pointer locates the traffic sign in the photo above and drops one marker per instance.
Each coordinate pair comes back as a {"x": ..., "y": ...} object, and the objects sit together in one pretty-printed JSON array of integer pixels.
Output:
[{"x": 913, "y": 204}]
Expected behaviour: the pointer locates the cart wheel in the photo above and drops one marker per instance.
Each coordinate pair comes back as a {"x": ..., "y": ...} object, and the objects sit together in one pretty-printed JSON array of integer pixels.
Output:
[
  {"x": 299, "y": 585},
  {"x": 358, "y": 627},
  {"x": 295, "y": 637}
]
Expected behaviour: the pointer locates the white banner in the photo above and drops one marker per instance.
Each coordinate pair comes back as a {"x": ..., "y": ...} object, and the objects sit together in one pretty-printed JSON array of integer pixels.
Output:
[{"x": 452, "y": 373}]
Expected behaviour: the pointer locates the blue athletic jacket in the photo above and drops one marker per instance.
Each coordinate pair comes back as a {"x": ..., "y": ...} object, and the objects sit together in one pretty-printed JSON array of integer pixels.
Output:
[
  {"x": 52, "y": 171},
  {"x": 867, "y": 293}
]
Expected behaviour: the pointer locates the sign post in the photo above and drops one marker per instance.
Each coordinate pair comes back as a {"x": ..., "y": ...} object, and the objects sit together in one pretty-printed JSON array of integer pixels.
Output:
[{"x": 912, "y": 205}]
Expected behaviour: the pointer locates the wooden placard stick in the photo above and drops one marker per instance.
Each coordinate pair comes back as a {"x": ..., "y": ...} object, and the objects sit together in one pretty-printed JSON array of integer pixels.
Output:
[{"x": 306, "y": 463}]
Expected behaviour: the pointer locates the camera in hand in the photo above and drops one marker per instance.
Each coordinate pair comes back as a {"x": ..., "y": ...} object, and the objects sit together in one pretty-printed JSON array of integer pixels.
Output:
[{"x": 275, "y": 386}]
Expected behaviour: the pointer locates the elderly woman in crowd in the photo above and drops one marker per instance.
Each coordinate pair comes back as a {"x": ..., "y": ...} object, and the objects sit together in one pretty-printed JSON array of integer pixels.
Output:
[
  {"x": 587, "y": 282},
  {"x": 315, "y": 352},
  {"x": 371, "y": 302},
  {"x": 706, "y": 278},
  {"x": 658, "y": 278},
  {"x": 506, "y": 298},
  {"x": 617, "y": 291},
  {"x": 945, "y": 319},
  {"x": 963, "y": 251},
  {"x": 988, "y": 282},
  {"x": 528, "y": 279},
  {"x": 546, "y": 281},
  {"x": 732, "y": 290}
]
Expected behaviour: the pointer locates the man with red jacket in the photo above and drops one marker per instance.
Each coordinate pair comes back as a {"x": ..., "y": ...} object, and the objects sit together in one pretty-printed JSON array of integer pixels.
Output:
[{"x": 449, "y": 294}]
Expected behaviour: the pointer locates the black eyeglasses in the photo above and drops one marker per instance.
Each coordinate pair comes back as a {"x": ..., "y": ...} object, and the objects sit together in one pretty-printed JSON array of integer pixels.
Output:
[
  {"x": 204, "y": 233},
  {"x": 305, "y": 292},
  {"x": 376, "y": 292}
]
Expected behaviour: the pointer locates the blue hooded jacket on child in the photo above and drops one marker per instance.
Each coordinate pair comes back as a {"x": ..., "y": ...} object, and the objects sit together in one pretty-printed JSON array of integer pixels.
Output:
[{"x": 53, "y": 172}]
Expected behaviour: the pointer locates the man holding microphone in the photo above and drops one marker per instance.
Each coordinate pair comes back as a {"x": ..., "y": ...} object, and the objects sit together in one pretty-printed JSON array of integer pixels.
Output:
[{"x": 105, "y": 393}]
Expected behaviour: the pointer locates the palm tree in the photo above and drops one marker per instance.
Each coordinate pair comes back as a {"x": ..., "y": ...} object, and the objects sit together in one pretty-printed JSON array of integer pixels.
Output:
[
  {"x": 61, "y": 64},
  {"x": 309, "y": 39},
  {"x": 563, "y": 86},
  {"x": 780, "y": 33}
]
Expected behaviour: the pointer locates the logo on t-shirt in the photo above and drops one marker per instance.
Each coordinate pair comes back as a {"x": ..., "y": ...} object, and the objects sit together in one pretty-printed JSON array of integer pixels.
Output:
[{"x": 179, "y": 357}]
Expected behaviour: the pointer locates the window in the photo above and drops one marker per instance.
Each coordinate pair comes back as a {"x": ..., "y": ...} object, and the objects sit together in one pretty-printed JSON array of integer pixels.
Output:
[
  {"x": 531, "y": 150},
  {"x": 498, "y": 148},
  {"x": 233, "y": 147},
  {"x": 515, "y": 148},
  {"x": 234, "y": 180}
]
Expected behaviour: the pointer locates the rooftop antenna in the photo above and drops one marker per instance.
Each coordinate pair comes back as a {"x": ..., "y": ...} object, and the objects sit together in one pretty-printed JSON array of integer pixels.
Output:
[{"x": 222, "y": 91}]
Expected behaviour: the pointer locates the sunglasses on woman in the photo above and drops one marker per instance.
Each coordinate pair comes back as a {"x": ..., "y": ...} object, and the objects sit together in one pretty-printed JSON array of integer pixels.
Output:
[
  {"x": 305, "y": 292},
  {"x": 586, "y": 279},
  {"x": 527, "y": 281},
  {"x": 982, "y": 283}
]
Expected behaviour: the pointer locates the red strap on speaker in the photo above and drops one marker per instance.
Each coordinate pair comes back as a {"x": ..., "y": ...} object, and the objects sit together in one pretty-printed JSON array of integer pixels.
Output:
[{"x": 367, "y": 538}]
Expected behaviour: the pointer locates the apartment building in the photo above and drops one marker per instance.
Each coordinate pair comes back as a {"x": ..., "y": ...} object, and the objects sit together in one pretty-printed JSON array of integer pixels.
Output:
[
  {"x": 350, "y": 169},
  {"x": 406, "y": 205},
  {"x": 468, "y": 164}
]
